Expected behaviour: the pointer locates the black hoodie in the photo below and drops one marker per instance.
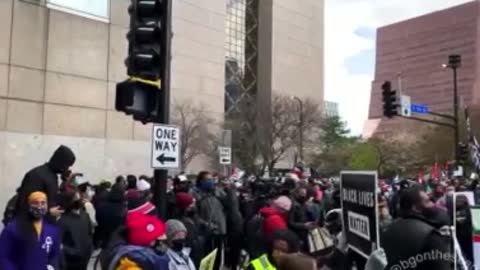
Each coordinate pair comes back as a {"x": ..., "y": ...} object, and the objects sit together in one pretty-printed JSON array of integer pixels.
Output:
[{"x": 45, "y": 177}]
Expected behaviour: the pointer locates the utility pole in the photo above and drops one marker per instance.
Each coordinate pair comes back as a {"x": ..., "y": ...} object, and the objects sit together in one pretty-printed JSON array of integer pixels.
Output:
[
  {"x": 300, "y": 128},
  {"x": 454, "y": 62}
]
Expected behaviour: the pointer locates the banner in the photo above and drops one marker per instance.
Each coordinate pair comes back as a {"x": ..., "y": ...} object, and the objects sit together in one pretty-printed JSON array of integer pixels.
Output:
[
  {"x": 208, "y": 262},
  {"x": 359, "y": 210},
  {"x": 475, "y": 210}
]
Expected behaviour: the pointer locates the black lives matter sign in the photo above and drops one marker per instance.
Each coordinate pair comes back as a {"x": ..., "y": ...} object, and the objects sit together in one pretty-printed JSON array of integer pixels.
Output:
[{"x": 359, "y": 210}]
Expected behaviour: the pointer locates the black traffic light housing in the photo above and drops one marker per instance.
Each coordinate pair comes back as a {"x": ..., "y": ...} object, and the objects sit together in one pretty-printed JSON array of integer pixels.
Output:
[
  {"x": 389, "y": 100},
  {"x": 462, "y": 153}
]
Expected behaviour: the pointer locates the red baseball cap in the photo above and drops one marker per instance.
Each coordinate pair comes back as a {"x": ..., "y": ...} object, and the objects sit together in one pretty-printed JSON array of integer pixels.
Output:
[{"x": 144, "y": 229}]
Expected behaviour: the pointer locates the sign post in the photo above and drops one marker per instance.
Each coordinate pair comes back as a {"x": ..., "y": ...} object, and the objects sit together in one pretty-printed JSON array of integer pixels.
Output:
[
  {"x": 225, "y": 150},
  {"x": 165, "y": 147},
  {"x": 405, "y": 106},
  {"x": 225, "y": 155},
  {"x": 359, "y": 210}
]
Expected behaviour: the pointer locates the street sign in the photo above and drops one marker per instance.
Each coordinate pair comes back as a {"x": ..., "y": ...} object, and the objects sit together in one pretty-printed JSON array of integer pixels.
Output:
[
  {"x": 165, "y": 147},
  {"x": 405, "y": 106},
  {"x": 225, "y": 155},
  {"x": 359, "y": 210},
  {"x": 418, "y": 108}
]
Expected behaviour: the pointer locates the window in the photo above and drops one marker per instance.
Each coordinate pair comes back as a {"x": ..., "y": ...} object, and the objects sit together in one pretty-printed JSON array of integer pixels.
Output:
[{"x": 93, "y": 9}]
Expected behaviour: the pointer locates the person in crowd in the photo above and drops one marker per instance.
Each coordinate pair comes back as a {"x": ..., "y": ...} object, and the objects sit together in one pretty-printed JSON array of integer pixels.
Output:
[
  {"x": 45, "y": 178},
  {"x": 111, "y": 214},
  {"x": 9, "y": 212},
  {"x": 383, "y": 213},
  {"x": 296, "y": 261},
  {"x": 395, "y": 200},
  {"x": 87, "y": 193},
  {"x": 177, "y": 252},
  {"x": 120, "y": 182},
  {"x": 235, "y": 221},
  {"x": 138, "y": 202},
  {"x": 144, "y": 188},
  {"x": 276, "y": 216},
  {"x": 29, "y": 241},
  {"x": 463, "y": 226},
  {"x": 77, "y": 233},
  {"x": 415, "y": 232},
  {"x": 131, "y": 184},
  {"x": 314, "y": 211},
  {"x": 280, "y": 242},
  {"x": 196, "y": 227},
  {"x": 139, "y": 245},
  {"x": 298, "y": 218},
  {"x": 180, "y": 184},
  {"x": 210, "y": 209}
]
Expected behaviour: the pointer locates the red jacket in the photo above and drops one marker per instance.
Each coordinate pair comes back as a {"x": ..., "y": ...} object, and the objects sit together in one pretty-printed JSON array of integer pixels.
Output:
[{"x": 273, "y": 220}]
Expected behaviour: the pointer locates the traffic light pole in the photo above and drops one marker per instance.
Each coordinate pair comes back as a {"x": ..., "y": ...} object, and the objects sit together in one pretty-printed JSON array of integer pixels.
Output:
[
  {"x": 163, "y": 113},
  {"x": 455, "y": 113}
]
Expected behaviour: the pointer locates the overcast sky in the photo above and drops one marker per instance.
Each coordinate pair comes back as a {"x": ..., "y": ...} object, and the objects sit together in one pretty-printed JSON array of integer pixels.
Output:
[{"x": 350, "y": 48}]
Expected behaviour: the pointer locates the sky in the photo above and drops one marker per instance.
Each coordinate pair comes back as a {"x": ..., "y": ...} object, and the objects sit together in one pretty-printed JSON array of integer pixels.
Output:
[{"x": 350, "y": 27}]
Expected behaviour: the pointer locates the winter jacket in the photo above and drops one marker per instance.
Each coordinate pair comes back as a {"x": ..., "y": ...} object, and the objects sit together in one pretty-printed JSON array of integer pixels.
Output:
[
  {"x": 76, "y": 231},
  {"x": 111, "y": 214},
  {"x": 409, "y": 236},
  {"x": 18, "y": 254},
  {"x": 45, "y": 177},
  {"x": 273, "y": 220},
  {"x": 297, "y": 218},
  {"x": 180, "y": 260},
  {"x": 232, "y": 209},
  {"x": 196, "y": 238},
  {"x": 211, "y": 210}
]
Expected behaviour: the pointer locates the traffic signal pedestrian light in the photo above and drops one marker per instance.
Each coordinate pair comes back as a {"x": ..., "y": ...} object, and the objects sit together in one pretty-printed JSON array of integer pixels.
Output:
[
  {"x": 389, "y": 100},
  {"x": 141, "y": 95},
  {"x": 462, "y": 153}
]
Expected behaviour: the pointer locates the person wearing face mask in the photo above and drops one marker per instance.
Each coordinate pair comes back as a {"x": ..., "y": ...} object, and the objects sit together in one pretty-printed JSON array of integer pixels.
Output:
[
  {"x": 177, "y": 252},
  {"x": 77, "y": 233},
  {"x": 416, "y": 232},
  {"x": 211, "y": 210},
  {"x": 87, "y": 193},
  {"x": 138, "y": 246},
  {"x": 29, "y": 242},
  {"x": 180, "y": 184},
  {"x": 298, "y": 217}
]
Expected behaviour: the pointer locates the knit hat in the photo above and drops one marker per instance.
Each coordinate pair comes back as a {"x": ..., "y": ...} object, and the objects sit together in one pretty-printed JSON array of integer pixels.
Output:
[
  {"x": 174, "y": 226},
  {"x": 143, "y": 185},
  {"x": 137, "y": 203},
  {"x": 184, "y": 200},
  {"x": 144, "y": 229},
  {"x": 282, "y": 203}
]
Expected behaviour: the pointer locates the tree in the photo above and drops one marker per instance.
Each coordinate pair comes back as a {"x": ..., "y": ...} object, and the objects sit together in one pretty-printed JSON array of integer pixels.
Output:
[
  {"x": 193, "y": 123},
  {"x": 364, "y": 156}
]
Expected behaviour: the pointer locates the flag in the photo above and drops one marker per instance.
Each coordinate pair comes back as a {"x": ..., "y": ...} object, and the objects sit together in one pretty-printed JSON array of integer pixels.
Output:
[
  {"x": 473, "y": 143},
  {"x": 435, "y": 172}
]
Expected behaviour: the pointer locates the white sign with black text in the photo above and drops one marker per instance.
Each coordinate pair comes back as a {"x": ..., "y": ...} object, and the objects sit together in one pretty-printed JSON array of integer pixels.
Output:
[
  {"x": 165, "y": 147},
  {"x": 225, "y": 155}
]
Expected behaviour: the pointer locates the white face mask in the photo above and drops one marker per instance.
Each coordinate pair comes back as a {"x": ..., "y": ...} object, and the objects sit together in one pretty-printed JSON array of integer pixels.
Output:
[{"x": 90, "y": 193}]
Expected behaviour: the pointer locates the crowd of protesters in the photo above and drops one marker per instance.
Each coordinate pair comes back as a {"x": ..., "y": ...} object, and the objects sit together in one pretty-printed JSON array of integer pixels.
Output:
[{"x": 252, "y": 224}]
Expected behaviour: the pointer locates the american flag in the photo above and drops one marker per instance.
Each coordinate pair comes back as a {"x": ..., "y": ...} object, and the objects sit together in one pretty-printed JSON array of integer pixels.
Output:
[{"x": 473, "y": 143}]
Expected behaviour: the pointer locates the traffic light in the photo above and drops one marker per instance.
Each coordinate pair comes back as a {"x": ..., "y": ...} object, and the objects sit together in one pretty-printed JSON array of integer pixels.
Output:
[
  {"x": 142, "y": 95},
  {"x": 145, "y": 39},
  {"x": 389, "y": 100},
  {"x": 462, "y": 153}
]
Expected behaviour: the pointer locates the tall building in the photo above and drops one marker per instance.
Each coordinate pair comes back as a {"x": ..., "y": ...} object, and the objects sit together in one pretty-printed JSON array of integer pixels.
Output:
[
  {"x": 411, "y": 53},
  {"x": 330, "y": 108},
  {"x": 60, "y": 61}
]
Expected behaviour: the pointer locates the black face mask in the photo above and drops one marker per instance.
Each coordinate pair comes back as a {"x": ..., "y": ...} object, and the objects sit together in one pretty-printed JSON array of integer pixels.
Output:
[
  {"x": 302, "y": 199},
  {"x": 191, "y": 212},
  {"x": 178, "y": 244}
]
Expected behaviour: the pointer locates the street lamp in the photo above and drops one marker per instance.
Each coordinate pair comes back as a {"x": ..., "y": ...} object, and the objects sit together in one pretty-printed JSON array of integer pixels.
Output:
[
  {"x": 300, "y": 128},
  {"x": 454, "y": 62}
]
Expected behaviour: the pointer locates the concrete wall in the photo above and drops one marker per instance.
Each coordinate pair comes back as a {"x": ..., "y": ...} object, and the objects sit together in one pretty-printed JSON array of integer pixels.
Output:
[
  {"x": 297, "y": 51},
  {"x": 57, "y": 85}
]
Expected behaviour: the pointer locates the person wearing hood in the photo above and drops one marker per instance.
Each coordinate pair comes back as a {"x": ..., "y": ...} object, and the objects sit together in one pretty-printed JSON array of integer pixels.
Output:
[
  {"x": 77, "y": 233},
  {"x": 275, "y": 216},
  {"x": 29, "y": 241},
  {"x": 416, "y": 232},
  {"x": 298, "y": 217},
  {"x": 138, "y": 245},
  {"x": 44, "y": 178},
  {"x": 111, "y": 214},
  {"x": 177, "y": 252}
]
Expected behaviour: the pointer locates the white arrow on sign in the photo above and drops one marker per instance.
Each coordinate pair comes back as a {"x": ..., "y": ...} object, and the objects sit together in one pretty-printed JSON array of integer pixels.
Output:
[{"x": 165, "y": 147}]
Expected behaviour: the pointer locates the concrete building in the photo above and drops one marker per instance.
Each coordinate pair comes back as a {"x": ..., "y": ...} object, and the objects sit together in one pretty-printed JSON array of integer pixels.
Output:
[
  {"x": 60, "y": 61},
  {"x": 412, "y": 52}
]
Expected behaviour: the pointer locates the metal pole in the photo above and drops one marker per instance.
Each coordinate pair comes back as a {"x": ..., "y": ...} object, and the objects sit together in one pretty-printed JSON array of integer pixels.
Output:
[
  {"x": 301, "y": 129},
  {"x": 163, "y": 114},
  {"x": 455, "y": 113}
]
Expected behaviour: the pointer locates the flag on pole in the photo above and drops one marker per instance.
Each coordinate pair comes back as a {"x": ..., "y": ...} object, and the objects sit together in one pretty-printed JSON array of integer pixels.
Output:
[
  {"x": 435, "y": 171},
  {"x": 473, "y": 142}
]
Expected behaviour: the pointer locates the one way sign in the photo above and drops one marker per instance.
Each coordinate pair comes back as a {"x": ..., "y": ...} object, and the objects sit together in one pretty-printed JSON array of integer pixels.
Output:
[{"x": 165, "y": 147}]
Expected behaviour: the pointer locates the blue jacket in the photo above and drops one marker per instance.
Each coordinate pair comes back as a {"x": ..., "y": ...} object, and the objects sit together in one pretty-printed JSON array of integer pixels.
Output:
[{"x": 16, "y": 254}]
